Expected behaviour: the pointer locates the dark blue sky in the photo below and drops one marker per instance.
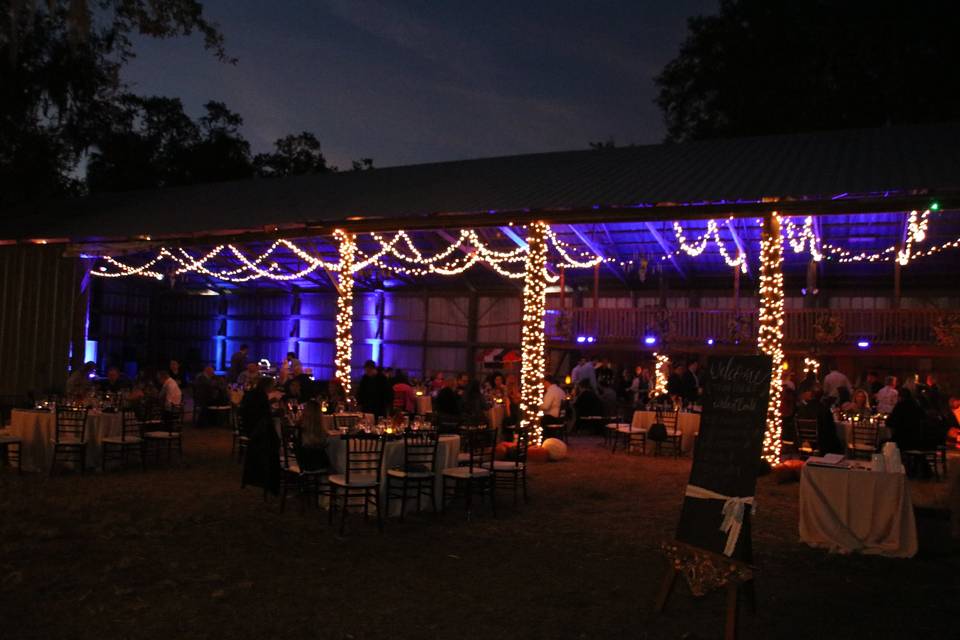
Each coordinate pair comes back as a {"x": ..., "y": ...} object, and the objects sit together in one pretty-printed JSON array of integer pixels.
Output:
[{"x": 408, "y": 82}]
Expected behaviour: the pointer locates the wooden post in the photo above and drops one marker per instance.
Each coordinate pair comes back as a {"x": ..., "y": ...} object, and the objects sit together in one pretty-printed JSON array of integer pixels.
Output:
[
  {"x": 896, "y": 277},
  {"x": 596, "y": 300},
  {"x": 473, "y": 310},
  {"x": 736, "y": 289},
  {"x": 423, "y": 340}
]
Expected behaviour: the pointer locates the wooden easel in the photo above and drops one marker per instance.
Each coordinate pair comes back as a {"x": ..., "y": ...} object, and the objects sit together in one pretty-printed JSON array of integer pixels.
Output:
[{"x": 706, "y": 571}]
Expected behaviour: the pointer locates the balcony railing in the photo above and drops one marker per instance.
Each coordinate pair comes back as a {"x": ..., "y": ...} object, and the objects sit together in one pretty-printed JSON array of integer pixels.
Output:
[{"x": 802, "y": 326}]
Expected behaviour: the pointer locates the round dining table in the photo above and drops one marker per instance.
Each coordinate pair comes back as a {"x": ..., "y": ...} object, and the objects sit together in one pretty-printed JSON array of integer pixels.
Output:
[
  {"x": 37, "y": 429},
  {"x": 448, "y": 448},
  {"x": 687, "y": 421}
]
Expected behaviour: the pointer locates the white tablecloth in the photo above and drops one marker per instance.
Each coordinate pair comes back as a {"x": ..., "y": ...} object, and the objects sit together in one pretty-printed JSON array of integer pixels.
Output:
[
  {"x": 847, "y": 510},
  {"x": 447, "y": 451},
  {"x": 37, "y": 429},
  {"x": 688, "y": 423}
]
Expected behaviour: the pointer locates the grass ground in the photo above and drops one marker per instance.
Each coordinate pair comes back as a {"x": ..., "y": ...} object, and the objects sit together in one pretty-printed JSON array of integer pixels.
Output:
[{"x": 185, "y": 553}]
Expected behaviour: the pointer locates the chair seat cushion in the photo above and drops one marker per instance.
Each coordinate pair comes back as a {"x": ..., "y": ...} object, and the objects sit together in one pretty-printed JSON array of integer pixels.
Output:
[
  {"x": 859, "y": 446},
  {"x": 625, "y": 428},
  {"x": 67, "y": 441},
  {"x": 402, "y": 473},
  {"x": 361, "y": 480},
  {"x": 463, "y": 473},
  {"x": 463, "y": 458},
  {"x": 118, "y": 440},
  {"x": 508, "y": 465},
  {"x": 9, "y": 439},
  {"x": 162, "y": 435}
]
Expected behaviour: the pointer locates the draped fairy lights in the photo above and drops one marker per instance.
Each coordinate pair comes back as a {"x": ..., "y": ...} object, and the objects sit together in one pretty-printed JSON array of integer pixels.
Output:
[
  {"x": 770, "y": 334},
  {"x": 660, "y": 374},
  {"x": 344, "y": 339},
  {"x": 399, "y": 254},
  {"x": 698, "y": 247},
  {"x": 533, "y": 356}
]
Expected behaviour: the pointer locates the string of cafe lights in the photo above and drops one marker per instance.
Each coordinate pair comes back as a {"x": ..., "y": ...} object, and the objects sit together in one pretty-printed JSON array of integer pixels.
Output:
[
  {"x": 712, "y": 233},
  {"x": 770, "y": 333},
  {"x": 532, "y": 341}
]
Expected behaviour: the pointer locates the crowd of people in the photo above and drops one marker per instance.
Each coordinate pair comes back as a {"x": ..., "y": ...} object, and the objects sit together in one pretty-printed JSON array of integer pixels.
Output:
[{"x": 917, "y": 413}]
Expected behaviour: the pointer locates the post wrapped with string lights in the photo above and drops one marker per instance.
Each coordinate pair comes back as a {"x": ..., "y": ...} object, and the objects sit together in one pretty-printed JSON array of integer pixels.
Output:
[
  {"x": 344, "y": 343},
  {"x": 770, "y": 334},
  {"x": 533, "y": 357},
  {"x": 660, "y": 368}
]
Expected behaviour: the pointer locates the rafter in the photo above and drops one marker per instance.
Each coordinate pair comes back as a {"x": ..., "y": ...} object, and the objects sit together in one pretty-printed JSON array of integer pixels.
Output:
[
  {"x": 740, "y": 245},
  {"x": 666, "y": 249},
  {"x": 598, "y": 251}
]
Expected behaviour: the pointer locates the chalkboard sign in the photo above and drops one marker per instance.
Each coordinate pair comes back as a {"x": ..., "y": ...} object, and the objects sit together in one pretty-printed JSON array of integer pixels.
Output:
[{"x": 726, "y": 458}]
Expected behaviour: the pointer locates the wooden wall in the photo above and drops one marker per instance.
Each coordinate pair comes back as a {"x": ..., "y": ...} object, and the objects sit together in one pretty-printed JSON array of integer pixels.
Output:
[{"x": 43, "y": 304}]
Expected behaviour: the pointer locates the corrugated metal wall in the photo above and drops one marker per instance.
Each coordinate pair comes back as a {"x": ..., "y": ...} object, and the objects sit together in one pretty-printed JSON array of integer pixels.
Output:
[{"x": 43, "y": 305}]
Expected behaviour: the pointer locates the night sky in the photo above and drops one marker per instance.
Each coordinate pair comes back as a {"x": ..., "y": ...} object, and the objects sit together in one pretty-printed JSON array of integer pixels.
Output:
[{"x": 409, "y": 82}]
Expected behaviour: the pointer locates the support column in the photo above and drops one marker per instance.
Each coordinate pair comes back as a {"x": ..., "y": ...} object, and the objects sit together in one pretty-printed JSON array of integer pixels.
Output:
[
  {"x": 770, "y": 334},
  {"x": 344, "y": 339},
  {"x": 532, "y": 331}
]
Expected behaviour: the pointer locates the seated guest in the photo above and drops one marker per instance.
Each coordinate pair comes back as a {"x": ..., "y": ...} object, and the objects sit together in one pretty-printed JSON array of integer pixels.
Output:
[
  {"x": 828, "y": 440},
  {"x": 462, "y": 379},
  {"x": 250, "y": 376},
  {"x": 513, "y": 399},
  {"x": 859, "y": 406},
  {"x": 261, "y": 464},
  {"x": 114, "y": 382},
  {"x": 587, "y": 403},
  {"x": 436, "y": 383},
  {"x": 906, "y": 422},
  {"x": 553, "y": 398},
  {"x": 887, "y": 396},
  {"x": 474, "y": 404},
  {"x": 608, "y": 400},
  {"x": 170, "y": 396},
  {"x": 336, "y": 395},
  {"x": 79, "y": 383},
  {"x": 404, "y": 398},
  {"x": 372, "y": 390},
  {"x": 448, "y": 403},
  {"x": 873, "y": 383},
  {"x": 304, "y": 383},
  {"x": 238, "y": 363},
  {"x": 208, "y": 391},
  {"x": 313, "y": 450}
]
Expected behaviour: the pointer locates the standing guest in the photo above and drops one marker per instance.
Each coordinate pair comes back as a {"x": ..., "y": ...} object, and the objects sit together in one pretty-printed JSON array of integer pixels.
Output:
[
  {"x": 170, "y": 396},
  {"x": 238, "y": 363},
  {"x": 640, "y": 387},
  {"x": 906, "y": 421},
  {"x": 834, "y": 381},
  {"x": 577, "y": 372},
  {"x": 404, "y": 398},
  {"x": 604, "y": 373},
  {"x": 372, "y": 390},
  {"x": 955, "y": 407},
  {"x": 175, "y": 372},
  {"x": 931, "y": 392},
  {"x": 336, "y": 396},
  {"x": 114, "y": 382},
  {"x": 297, "y": 375},
  {"x": 587, "y": 403},
  {"x": 788, "y": 398},
  {"x": 388, "y": 374},
  {"x": 873, "y": 384},
  {"x": 261, "y": 464},
  {"x": 887, "y": 396},
  {"x": 691, "y": 383},
  {"x": 553, "y": 398},
  {"x": 79, "y": 383},
  {"x": 448, "y": 403},
  {"x": 675, "y": 381},
  {"x": 250, "y": 376}
]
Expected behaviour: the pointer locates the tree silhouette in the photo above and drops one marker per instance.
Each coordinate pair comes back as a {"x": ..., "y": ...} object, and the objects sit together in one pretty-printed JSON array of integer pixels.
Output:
[
  {"x": 773, "y": 66},
  {"x": 293, "y": 155}
]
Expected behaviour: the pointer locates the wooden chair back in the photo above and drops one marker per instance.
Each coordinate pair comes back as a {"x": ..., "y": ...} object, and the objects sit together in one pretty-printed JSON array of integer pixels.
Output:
[
  {"x": 420, "y": 450},
  {"x": 364, "y": 454},
  {"x": 71, "y": 424}
]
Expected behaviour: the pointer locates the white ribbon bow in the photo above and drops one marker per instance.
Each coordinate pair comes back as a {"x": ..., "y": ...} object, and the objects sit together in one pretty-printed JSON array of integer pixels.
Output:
[{"x": 733, "y": 510}]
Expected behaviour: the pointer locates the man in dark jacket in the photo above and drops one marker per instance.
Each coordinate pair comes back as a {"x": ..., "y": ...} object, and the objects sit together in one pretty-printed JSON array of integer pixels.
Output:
[{"x": 373, "y": 390}]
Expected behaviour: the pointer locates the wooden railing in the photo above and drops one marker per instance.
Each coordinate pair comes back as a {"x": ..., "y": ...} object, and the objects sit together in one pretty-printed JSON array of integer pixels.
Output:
[{"x": 878, "y": 326}]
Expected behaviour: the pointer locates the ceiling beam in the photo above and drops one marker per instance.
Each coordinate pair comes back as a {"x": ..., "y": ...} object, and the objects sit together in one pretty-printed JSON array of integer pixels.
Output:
[
  {"x": 666, "y": 249},
  {"x": 598, "y": 251}
]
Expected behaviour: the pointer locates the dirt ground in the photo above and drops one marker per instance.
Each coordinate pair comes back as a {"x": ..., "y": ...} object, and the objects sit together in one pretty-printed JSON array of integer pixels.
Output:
[{"x": 185, "y": 553}]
